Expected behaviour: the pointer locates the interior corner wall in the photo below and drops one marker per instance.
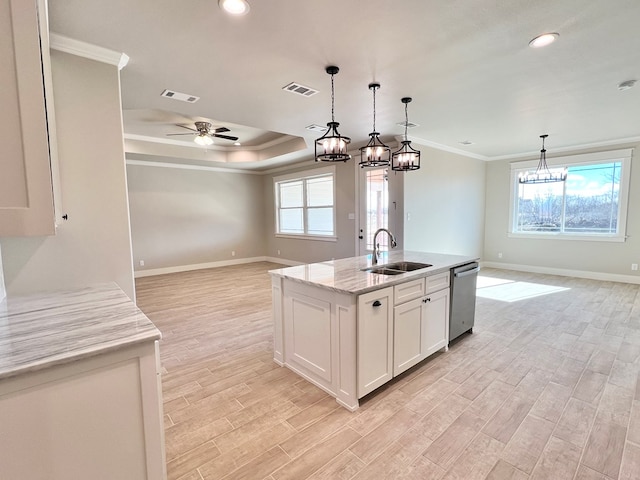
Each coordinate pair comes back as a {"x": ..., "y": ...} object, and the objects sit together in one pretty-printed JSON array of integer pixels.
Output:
[
  {"x": 94, "y": 245},
  {"x": 310, "y": 250},
  {"x": 444, "y": 204},
  {"x": 570, "y": 255},
  {"x": 3, "y": 291},
  {"x": 182, "y": 217}
]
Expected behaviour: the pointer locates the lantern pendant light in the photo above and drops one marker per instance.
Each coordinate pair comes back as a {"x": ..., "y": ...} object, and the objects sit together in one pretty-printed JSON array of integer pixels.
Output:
[
  {"x": 407, "y": 157},
  {"x": 375, "y": 153},
  {"x": 332, "y": 147},
  {"x": 542, "y": 173}
]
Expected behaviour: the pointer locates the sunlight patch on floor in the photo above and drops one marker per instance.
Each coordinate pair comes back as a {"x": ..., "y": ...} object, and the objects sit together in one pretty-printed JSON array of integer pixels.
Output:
[{"x": 512, "y": 291}]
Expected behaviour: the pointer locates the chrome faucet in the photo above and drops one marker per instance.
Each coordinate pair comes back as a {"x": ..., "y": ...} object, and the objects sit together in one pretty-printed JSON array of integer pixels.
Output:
[{"x": 376, "y": 245}]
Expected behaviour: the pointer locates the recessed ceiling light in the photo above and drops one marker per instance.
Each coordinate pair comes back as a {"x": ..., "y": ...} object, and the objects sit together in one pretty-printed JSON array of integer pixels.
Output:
[
  {"x": 543, "y": 40},
  {"x": 466, "y": 142},
  {"x": 626, "y": 85},
  {"x": 234, "y": 7},
  {"x": 237, "y": 144}
]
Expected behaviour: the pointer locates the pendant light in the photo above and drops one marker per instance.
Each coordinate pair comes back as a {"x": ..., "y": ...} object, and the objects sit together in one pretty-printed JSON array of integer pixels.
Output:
[
  {"x": 375, "y": 153},
  {"x": 332, "y": 147},
  {"x": 542, "y": 173},
  {"x": 407, "y": 158}
]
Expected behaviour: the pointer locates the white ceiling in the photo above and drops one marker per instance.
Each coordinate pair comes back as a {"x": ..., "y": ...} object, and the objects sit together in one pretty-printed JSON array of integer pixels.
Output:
[{"x": 467, "y": 65}]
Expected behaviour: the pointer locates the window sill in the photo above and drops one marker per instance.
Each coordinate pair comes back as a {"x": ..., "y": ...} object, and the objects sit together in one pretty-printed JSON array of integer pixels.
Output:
[
  {"x": 564, "y": 236},
  {"x": 325, "y": 238}
]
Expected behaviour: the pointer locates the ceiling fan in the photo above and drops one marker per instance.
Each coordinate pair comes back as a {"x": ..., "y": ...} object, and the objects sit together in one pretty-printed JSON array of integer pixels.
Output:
[{"x": 204, "y": 133}]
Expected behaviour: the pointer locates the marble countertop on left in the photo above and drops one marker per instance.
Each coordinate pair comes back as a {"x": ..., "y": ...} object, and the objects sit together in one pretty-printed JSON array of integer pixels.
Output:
[{"x": 43, "y": 330}]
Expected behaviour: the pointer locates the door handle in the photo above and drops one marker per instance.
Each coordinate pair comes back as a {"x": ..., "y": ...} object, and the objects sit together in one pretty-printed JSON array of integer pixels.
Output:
[{"x": 377, "y": 303}]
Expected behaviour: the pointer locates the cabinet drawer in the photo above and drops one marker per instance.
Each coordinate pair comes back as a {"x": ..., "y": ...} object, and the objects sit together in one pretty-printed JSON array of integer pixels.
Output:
[
  {"x": 408, "y": 291},
  {"x": 437, "y": 282}
]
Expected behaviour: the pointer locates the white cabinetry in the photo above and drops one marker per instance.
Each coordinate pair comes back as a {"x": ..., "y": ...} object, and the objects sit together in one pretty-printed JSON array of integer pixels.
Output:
[
  {"x": 407, "y": 335},
  {"x": 349, "y": 344},
  {"x": 98, "y": 418},
  {"x": 317, "y": 337},
  {"x": 375, "y": 340},
  {"x": 421, "y": 322},
  {"x": 26, "y": 188}
]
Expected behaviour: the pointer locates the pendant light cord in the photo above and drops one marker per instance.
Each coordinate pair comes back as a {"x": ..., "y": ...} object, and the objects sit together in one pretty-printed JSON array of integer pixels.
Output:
[
  {"x": 374, "y": 108},
  {"x": 332, "y": 101},
  {"x": 406, "y": 121}
]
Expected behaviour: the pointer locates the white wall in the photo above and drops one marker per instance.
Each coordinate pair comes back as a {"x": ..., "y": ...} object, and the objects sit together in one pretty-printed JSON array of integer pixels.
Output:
[
  {"x": 444, "y": 204},
  {"x": 184, "y": 217},
  {"x": 94, "y": 245},
  {"x": 608, "y": 258},
  {"x": 309, "y": 250}
]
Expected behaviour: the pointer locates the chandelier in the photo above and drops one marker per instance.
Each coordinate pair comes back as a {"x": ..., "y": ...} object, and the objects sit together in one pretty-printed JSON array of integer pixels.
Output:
[
  {"x": 407, "y": 157},
  {"x": 542, "y": 173},
  {"x": 332, "y": 147},
  {"x": 375, "y": 153}
]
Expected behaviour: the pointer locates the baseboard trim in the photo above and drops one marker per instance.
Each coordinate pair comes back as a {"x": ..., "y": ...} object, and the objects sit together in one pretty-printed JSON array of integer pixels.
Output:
[
  {"x": 283, "y": 261},
  {"x": 201, "y": 266},
  {"x": 607, "y": 277}
]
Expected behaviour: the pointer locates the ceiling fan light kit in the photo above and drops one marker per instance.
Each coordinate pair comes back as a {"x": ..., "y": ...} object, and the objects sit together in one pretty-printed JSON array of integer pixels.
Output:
[
  {"x": 406, "y": 158},
  {"x": 542, "y": 173},
  {"x": 203, "y": 140},
  {"x": 375, "y": 153},
  {"x": 332, "y": 147}
]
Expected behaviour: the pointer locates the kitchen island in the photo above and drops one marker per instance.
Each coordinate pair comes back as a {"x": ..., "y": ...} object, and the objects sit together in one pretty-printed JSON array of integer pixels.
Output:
[
  {"x": 349, "y": 330},
  {"x": 79, "y": 387}
]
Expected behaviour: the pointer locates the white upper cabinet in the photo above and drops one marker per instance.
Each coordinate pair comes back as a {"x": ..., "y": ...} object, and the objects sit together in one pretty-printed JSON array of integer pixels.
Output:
[{"x": 26, "y": 188}]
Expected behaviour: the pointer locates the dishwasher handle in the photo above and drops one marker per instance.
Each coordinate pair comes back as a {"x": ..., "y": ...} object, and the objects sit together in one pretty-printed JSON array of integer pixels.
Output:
[{"x": 466, "y": 273}]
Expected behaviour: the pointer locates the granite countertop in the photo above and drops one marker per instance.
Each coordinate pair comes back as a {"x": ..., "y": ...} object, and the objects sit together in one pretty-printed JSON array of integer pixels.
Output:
[
  {"x": 40, "y": 331},
  {"x": 346, "y": 275}
]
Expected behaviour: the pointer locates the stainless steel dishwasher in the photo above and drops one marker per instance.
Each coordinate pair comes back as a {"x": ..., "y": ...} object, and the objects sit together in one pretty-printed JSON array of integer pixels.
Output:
[{"x": 463, "y": 299}]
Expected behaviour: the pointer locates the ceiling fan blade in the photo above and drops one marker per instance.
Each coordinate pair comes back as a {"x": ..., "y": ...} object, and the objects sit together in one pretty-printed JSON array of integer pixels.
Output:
[
  {"x": 188, "y": 128},
  {"x": 224, "y": 136},
  {"x": 174, "y": 134},
  {"x": 221, "y": 130}
]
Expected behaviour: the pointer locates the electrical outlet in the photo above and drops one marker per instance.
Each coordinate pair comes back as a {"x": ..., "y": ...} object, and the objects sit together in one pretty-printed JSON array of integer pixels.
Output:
[
  {"x": 500, "y": 255},
  {"x": 142, "y": 263},
  {"x": 278, "y": 252},
  {"x": 634, "y": 266},
  {"x": 408, "y": 216},
  {"x": 233, "y": 253}
]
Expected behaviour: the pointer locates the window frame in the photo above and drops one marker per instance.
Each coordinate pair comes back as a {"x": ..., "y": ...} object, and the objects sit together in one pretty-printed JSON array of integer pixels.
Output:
[
  {"x": 624, "y": 156},
  {"x": 304, "y": 177}
]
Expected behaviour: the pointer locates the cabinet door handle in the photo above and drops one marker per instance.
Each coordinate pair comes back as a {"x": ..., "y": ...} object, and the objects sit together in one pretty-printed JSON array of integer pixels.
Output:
[
  {"x": 428, "y": 299},
  {"x": 377, "y": 303}
]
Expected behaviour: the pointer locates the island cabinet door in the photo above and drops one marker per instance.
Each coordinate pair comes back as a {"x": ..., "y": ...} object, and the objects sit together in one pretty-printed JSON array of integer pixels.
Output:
[
  {"x": 375, "y": 340},
  {"x": 407, "y": 335},
  {"x": 435, "y": 318}
]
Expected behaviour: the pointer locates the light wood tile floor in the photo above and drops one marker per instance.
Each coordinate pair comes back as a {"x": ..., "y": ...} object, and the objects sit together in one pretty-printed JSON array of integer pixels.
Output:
[{"x": 545, "y": 388}]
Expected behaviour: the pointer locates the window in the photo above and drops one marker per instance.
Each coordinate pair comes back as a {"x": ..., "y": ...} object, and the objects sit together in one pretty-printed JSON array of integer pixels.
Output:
[
  {"x": 305, "y": 204},
  {"x": 590, "y": 205}
]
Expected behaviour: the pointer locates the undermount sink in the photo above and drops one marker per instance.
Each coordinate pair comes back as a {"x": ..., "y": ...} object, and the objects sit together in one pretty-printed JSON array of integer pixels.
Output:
[{"x": 397, "y": 268}]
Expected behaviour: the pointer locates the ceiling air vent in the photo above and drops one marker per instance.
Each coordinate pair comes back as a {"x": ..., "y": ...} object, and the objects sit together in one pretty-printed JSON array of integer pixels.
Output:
[
  {"x": 294, "y": 87},
  {"x": 407, "y": 124},
  {"x": 180, "y": 96},
  {"x": 314, "y": 127}
]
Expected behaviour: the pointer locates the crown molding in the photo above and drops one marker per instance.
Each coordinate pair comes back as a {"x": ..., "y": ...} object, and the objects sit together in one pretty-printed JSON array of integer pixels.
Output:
[
  {"x": 87, "y": 50},
  {"x": 444, "y": 148}
]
